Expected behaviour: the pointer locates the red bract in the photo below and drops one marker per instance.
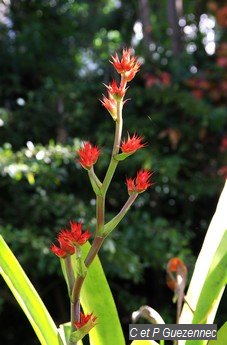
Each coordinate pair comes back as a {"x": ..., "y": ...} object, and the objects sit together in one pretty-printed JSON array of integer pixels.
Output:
[
  {"x": 115, "y": 90},
  {"x": 64, "y": 249},
  {"x": 140, "y": 183},
  {"x": 128, "y": 66},
  {"x": 132, "y": 144},
  {"x": 84, "y": 319},
  {"x": 111, "y": 105},
  {"x": 74, "y": 236},
  {"x": 88, "y": 155}
]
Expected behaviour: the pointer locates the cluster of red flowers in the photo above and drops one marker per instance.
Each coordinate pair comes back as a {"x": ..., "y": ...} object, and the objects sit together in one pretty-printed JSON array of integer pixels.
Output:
[
  {"x": 127, "y": 67},
  {"x": 140, "y": 183},
  {"x": 69, "y": 239},
  {"x": 132, "y": 144},
  {"x": 88, "y": 155},
  {"x": 84, "y": 319}
]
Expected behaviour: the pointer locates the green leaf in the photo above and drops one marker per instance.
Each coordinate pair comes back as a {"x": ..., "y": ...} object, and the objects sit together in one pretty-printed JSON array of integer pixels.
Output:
[
  {"x": 209, "y": 277},
  {"x": 144, "y": 342},
  {"x": 27, "y": 297},
  {"x": 96, "y": 297},
  {"x": 65, "y": 330},
  {"x": 212, "y": 289},
  {"x": 222, "y": 336}
]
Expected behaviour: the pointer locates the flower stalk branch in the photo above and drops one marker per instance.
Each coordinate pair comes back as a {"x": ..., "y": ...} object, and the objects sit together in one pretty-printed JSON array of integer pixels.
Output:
[{"x": 71, "y": 240}]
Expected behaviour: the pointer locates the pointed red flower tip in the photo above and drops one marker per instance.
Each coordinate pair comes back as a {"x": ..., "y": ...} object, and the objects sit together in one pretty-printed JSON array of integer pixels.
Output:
[
  {"x": 140, "y": 183},
  {"x": 111, "y": 105},
  {"x": 74, "y": 236},
  {"x": 132, "y": 144},
  {"x": 116, "y": 91},
  {"x": 88, "y": 155},
  {"x": 128, "y": 66},
  {"x": 64, "y": 249},
  {"x": 84, "y": 319}
]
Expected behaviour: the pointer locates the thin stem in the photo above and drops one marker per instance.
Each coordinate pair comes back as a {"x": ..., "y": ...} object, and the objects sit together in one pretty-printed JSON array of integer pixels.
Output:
[
  {"x": 69, "y": 272},
  {"x": 118, "y": 129},
  {"x": 80, "y": 279},
  {"x": 116, "y": 220},
  {"x": 116, "y": 146},
  {"x": 100, "y": 213}
]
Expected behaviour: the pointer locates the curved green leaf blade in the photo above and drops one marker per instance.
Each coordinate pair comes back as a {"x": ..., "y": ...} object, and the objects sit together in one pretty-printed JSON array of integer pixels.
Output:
[
  {"x": 96, "y": 297},
  {"x": 27, "y": 297},
  {"x": 222, "y": 336},
  {"x": 213, "y": 239},
  {"x": 213, "y": 288},
  {"x": 144, "y": 342}
]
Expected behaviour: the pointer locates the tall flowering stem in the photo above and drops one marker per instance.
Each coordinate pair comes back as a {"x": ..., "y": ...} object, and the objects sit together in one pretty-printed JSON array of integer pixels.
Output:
[{"x": 71, "y": 240}]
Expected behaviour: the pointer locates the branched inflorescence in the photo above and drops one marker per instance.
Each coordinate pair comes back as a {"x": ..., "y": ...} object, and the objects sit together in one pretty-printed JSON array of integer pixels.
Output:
[{"x": 71, "y": 240}]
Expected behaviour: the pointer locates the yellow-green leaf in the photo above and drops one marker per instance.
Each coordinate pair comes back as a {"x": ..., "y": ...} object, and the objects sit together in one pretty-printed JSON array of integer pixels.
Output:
[
  {"x": 222, "y": 336},
  {"x": 27, "y": 297},
  {"x": 96, "y": 297}
]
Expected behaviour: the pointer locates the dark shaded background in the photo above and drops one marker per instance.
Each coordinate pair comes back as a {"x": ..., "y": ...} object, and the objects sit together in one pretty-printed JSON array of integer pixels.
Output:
[{"x": 53, "y": 60}]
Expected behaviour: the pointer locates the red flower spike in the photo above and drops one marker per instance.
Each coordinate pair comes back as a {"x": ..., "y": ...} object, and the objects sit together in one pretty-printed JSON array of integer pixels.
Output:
[
  {"x": 116, "y": 91},
  {"x": 64, "y": 249},
  {"x": 140, "y": 183},
  {"x": 88, "y": 155},
  {"x": 128, "y": 66},
  {"x": 75, "y": 236},
  {"x": 111, "y": 105},
  {"x": 132, "y": 144},
  {"x": 84, "y": 319}
]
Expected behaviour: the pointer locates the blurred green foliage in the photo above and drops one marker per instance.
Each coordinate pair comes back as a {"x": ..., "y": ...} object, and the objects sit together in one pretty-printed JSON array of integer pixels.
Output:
[{"x": 53, "y": 61}]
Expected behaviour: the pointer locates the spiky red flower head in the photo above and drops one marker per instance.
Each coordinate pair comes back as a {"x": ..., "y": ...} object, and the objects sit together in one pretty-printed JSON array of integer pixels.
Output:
[
  {"x": 74, "y": 236},
  {"x": 116, "y": 91},
  {"x": 88, "y": 155},
  {"x": 128, "y": 66},
  {"x": 64, "y": 249},
  {"x": 132, "y": 144},
  {"x": 84, "y": 319},
  {"x": 140, "y": 183},
  {"x": 111, "y": 105}
]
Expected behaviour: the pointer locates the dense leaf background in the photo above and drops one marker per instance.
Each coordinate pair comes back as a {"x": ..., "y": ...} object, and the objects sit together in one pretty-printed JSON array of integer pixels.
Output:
[{"x": 53, "y": 60}]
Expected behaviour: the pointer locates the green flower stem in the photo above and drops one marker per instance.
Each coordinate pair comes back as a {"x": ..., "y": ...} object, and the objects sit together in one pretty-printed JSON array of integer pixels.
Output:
[
  {"x": 96, "y": 245},
  {"x": 69, "y": 273},
  {"x": 100, "y": 213},
  {"x": 116, "y": 146},
  {"x": 111, "y": 225},
  {"x": 95, "y": 182}
]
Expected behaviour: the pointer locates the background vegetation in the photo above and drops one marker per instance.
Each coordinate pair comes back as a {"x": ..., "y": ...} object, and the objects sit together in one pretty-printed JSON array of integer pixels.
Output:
[{"x": 53, "y": 60}]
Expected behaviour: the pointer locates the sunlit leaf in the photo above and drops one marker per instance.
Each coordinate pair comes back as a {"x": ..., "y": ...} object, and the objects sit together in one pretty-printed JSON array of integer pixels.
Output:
[
  {"x": 96, "y": 297},
  {"x": 27, "y": 297}
]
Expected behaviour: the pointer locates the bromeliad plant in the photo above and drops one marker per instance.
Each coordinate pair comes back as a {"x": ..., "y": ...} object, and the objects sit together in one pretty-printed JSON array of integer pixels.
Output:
[
  {"x": 70, "y": 241},
  {"x": 92, "y": 309},
  {"x": 73, "y": 249}
]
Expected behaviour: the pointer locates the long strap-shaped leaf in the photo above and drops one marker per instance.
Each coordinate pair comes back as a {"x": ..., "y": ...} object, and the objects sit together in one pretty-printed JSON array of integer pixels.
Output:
[
  {"x": 27, "y": 297},
  {"x": 96, "y": 296},
  {"x": 211, "y": 257},
  {"x": 222, "y": 336},
  {"x": 212, "y": 240},
  {"x": 144, "y": 342}
]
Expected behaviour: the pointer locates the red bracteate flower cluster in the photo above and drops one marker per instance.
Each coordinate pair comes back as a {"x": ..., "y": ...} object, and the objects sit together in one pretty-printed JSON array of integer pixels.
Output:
[
  {"x": 132, "y": 144},
  {"x": 128, "y": 66},
  {"x": 84, "y": 319},
  {"x": 140, "y": 183},
  {"x": 88, "y": 155},
  {"x": 69, "y": 239}
]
